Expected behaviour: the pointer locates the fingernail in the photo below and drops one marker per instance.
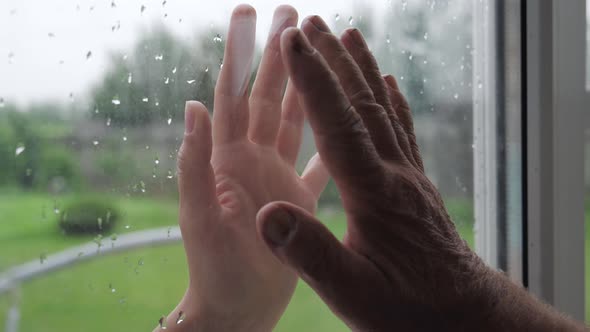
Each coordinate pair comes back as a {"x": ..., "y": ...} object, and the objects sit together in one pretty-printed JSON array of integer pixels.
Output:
[
  {"x": 357, "y": 37},
  {"x": 319, "y": 23},
  {"x": 301, "y": 45},
  {"x": 189, "y": 118},
  {"x": 279, "y": 227}
]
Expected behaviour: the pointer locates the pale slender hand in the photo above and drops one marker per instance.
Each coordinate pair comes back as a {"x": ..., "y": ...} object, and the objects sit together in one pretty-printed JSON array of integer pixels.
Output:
[{"x": 229, "y": 171}]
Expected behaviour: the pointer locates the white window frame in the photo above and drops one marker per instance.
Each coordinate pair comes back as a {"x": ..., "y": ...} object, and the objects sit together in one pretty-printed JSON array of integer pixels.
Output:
[
  {"x": 555, "y": 107},
  {"x": 556, "y": 103}
]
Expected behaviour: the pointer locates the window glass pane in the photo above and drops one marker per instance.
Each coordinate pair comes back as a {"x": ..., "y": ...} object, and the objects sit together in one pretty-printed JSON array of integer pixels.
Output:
[{"x": 91, "y": 116}]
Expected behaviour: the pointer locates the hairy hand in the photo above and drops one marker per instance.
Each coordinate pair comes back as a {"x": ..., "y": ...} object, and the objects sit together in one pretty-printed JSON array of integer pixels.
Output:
[
  {"x": 227, "y": 172},
  {"x": 401, "y": 265}
]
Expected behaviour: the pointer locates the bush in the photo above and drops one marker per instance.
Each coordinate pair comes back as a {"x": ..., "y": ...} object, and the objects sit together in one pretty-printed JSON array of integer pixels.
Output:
[{"x": 88, "y": 215}]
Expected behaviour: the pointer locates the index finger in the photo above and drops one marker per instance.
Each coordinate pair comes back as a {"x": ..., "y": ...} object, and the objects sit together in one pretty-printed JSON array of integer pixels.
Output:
[{"x": 341, "y": 138}]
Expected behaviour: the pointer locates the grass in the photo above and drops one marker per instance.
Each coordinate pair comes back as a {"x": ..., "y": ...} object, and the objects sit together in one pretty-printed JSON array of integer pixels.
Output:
[{"x": 128, "y": 291}]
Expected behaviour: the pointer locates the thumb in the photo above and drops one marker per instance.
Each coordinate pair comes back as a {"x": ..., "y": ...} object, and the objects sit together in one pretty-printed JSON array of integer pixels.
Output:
[
  {"x": 345, "y": 280},
  {"x": 196, "y": 181}
]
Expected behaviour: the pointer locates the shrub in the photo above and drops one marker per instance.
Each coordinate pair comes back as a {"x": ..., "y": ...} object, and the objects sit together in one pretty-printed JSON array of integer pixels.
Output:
[{"x": 88, "y": 215}]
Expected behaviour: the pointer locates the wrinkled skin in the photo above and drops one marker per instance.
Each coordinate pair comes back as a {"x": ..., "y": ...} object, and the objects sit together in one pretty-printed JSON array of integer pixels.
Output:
[
  {"x": 401, "y": 251},
  {"x": 228, "y": 170}
]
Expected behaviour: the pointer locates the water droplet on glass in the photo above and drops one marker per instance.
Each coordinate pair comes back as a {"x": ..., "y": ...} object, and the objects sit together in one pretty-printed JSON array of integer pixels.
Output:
[
  {"x": 426, "y": 36},
  {"x": 181, "y": 317},
  {"x": 162, "y": 323},
  {"x": 401, "y": 78},
  {"x": 169, "y": 121},
  {"x": 217, "y": 38},
  {"x": 114, "y": 237},
  {"x": 140, "y": 262},
  {"x": 142, "y": 8},
  {"x": 411, "y": 57},
  {"x": 88, "y": 55},
  {"x": 158, "y": 57},
  {"x": 95, "y": 143},
  {"x": 456, "y": 96},
  {"x": 479, "y": 85},
  {"x": 404, "y": 5},
  {"x": 145, "y": 99},
  {"x": 28, "y": 172},
  {"x": 124, "y": 138},
  {"x": 116, "y": 102},
  {"x": 20, "y": 147},
  {"x": 190, "y": 81},
  {"x": 42, "y": 257},
  {"x": 10, "y": 57},
  {"x": 157, "y": 103},
  {"x": 351, "y": 20},
  {"x": 127, "y": 226},
  {"x": 98, "y": 241},
  {"x": 71, "y": 96},
  {"x": 112, "y": 288},
  {"x": 387, "y": 39},
  {"x": 129, "y": 78},
  {"x": 108, "y": 122},
  {"x": 1, "y": 102},
  {"x": 51, "y": 35},
  {"x": 174, "y": 70},
  {"x": 170, "y": 175},
  {"x": 142, "y": 186},
  {"x": 157, "y": 161},
  {"x": 99, "y": 222},
  {"x": 164, "y": 3},
  {"x": 167, "y": 80}
]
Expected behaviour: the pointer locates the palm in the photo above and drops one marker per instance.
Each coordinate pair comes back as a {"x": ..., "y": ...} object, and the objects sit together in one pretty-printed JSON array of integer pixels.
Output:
[{"x": 249, "y": 175}]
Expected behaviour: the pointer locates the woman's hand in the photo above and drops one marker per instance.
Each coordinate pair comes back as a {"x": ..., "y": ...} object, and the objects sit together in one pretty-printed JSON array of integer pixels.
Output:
[{"x": 227, "y": 173}]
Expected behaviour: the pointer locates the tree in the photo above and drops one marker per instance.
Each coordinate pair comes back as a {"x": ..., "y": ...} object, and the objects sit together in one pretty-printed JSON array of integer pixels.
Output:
[{"x": 154, "y": 81}]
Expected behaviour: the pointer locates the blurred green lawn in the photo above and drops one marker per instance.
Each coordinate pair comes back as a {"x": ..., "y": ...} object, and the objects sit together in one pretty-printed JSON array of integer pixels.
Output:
[{"x": 128, "y": 291}]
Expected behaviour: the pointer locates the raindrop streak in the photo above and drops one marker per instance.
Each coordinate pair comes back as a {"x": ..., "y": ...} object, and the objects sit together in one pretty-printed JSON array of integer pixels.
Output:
[
  {"x": 88, "y": 55},
  {"x": 206, "y": 69},
  {"x": 350, "y": 20},
  {"x": 130, "y": 78},
  {"x": 167, "y": 80},
  {"x": 116, "y": 102},
  {"x": 174, "y": 70},
  {"x": 19, "y": 149},
  {"x": 169, "y": 121},
  {"x": 217, "y": 38},
  {"x": 162, "y": 322},
  {"x": 181, "y": 317},
  {"x": 337, "y": 17}
]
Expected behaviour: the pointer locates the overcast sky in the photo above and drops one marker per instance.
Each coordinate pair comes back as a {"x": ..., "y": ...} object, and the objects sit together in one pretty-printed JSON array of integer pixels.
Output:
[{"x": 44, "y": 44}]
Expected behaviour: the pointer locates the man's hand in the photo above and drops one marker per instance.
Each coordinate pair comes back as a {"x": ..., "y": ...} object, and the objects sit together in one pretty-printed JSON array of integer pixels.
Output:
[
  {"x": 227, "y": 173},
  {"x": 401, "y": 266}
]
